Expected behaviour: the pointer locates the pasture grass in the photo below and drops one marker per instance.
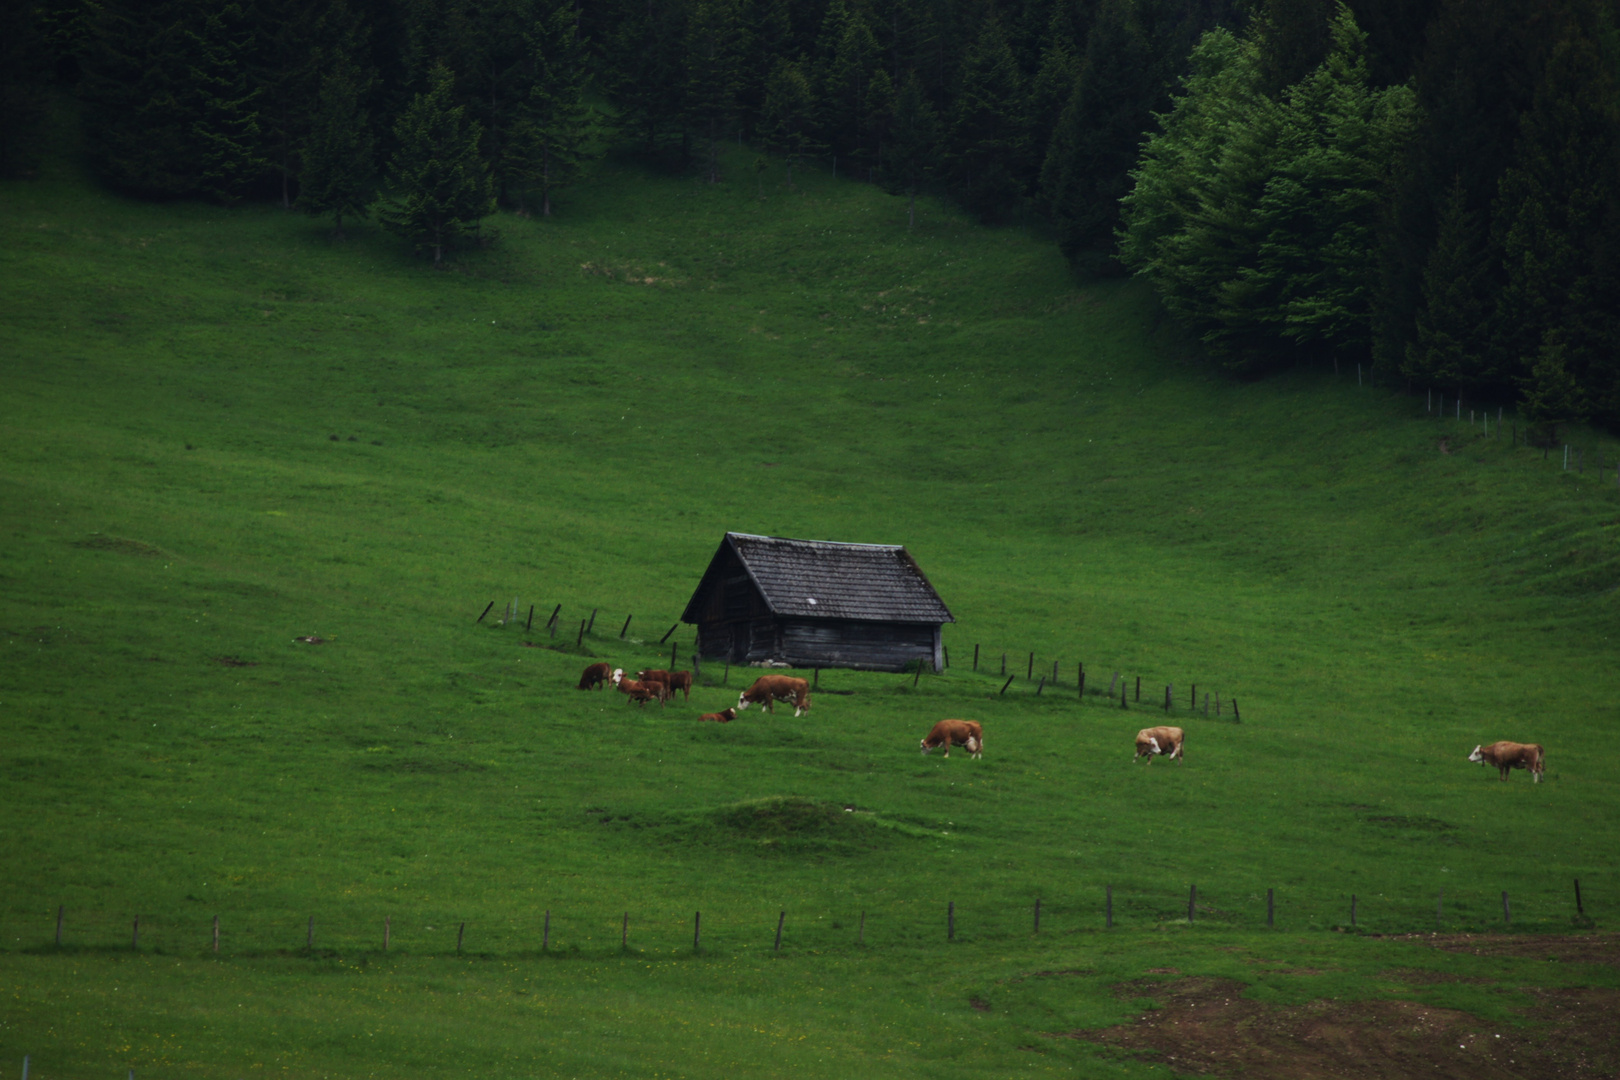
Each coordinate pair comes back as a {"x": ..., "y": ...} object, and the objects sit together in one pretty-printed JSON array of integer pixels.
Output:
[{"x": 575, "y": 416}]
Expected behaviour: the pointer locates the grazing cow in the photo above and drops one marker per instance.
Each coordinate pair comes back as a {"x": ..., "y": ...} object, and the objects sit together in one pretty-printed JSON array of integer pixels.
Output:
[
  {"x": 682, "y": 681},
  {"x": 1510, "y": 755},
  {"x": 724, "y": 716},
  {"x": 1152, "y": 741},
  {"x": 595, "y": 677},
  {"x": 949, "y": 733},
  {"x": 768, "y": 689},
  {"x": 640, "y": 692}
]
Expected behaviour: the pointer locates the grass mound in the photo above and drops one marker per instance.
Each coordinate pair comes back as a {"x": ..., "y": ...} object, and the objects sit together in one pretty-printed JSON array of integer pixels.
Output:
[{"x": 776, "y": 826}]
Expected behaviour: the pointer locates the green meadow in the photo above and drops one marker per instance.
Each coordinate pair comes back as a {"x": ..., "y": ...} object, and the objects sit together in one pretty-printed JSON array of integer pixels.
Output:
[{"x": 221, "y": 431}]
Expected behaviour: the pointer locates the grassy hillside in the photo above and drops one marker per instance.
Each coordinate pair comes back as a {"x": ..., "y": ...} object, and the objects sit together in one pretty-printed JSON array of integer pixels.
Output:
[{"x": 220, "y": 431}]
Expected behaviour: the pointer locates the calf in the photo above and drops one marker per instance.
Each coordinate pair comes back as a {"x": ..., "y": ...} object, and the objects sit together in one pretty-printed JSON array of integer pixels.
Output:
[
  {"x": 1511, "y": 755},
  {"x": 640, "y": 692},
  {"x": 768, "y": 689},
  {"x": 949, "y": 733},
  {"x": 1152, "y": 741},
  {"x": 724, "y": 716},
  {"x": 595, "y": 677}
]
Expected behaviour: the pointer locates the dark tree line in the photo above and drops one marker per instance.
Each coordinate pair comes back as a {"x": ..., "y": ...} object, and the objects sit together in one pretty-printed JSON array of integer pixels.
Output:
[{"x": 1429, "y": 186}]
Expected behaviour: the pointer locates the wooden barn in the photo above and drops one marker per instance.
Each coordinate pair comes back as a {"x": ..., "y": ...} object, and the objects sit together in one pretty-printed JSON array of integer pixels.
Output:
[{"x": 816, "y": 603}]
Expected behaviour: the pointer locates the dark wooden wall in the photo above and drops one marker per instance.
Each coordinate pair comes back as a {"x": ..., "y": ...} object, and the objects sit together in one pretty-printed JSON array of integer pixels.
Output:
[{"x": 812, "y": 643}]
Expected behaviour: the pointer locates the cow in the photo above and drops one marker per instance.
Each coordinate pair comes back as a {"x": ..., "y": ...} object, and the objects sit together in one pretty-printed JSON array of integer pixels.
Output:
[
  {"x": 1152, "y": 741},
  {"x": 595, "y": 677},
  {"x": 1511, "y": 755},
  {"x": 639, "y": 692},
  {"x": 949, "y": 733},
  {"x": 724, "y": 716},
  {"x": 768, "y": 689},
  {"x": 682, "y": 681}
]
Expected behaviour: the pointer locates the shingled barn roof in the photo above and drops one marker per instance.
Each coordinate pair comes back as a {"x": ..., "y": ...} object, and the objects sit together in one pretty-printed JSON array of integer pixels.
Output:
[{"x": 828, "y": 580}]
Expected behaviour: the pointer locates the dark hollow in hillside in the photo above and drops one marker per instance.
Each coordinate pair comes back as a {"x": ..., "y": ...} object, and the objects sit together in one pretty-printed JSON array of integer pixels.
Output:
[{"x": 774, "y": 825}]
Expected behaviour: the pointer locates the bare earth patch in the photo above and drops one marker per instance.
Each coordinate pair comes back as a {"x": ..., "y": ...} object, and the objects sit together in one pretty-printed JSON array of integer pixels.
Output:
[
  {"x": 1570, "y": 949},
  {"x": 1205, "y": 1027}
]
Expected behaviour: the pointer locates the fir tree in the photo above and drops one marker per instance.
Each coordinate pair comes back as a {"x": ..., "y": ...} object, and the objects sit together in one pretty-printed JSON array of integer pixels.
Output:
[
  {"x": 1453, "y": 322},
  {"x": 222, "y": 102},
  {"x": 845, "y": 87},
  {"x": 1098, "y": 135},
  {"x": 339, "y": 175},
  {"x": 789, "y": 114},
  {"x": 913, "y": 145},
  {"x": 547, "y": 148},
  {"x": 987, "y": 141},
  {"x": 715, "y": 49},
  {"x": 440, "y": 183},
  {"x": 1551, "y": 396},
  {"x": 22, "y": 90}
]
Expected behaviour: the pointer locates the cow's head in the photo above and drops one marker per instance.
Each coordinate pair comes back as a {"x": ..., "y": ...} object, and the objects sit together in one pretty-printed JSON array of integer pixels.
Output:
[
  {"x": 618, "y": 675},
  {"x": 923, "y": 742},
  {"x": 742, "y": 701},
  {"x": 1153, "y": 745},
  {"x": 1478, "y": 755}
]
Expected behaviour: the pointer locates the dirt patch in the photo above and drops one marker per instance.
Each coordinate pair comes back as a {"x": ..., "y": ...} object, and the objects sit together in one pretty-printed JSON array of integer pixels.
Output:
[
  {"x": 235, "y": 661},
  {"x": 1568, "y": 949},
  {"x": 979, "y": 1004},
  {"x": 1205, "y": 1026}
]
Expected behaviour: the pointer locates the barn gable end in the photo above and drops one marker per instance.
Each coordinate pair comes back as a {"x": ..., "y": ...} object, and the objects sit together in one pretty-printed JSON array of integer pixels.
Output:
[{"x": 816, "y": 603}]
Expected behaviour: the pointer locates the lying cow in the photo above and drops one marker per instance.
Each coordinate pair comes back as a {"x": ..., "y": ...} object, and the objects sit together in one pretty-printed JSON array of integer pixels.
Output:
[
  {"x": 1153, "y": 741},
  {"x": 595, "y": 677},
  {"x": 768, "y": 689},
  {"x": 949, "y": 733},
  {"x": 724, "y": 716},
  {"x": 1510, "y": 755}
]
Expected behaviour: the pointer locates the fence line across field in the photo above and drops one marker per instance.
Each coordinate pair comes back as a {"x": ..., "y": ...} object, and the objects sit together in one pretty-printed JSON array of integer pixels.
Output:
[{"x": 896, "y": 923}]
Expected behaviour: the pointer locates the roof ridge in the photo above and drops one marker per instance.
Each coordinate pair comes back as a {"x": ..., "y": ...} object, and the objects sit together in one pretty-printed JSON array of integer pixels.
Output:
[{"x": 816, "y": 543}]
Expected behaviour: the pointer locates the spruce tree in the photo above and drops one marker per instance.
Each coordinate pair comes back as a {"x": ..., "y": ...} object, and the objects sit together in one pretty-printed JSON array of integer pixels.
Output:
[
  {"x": 988, "y": 136},
  {"x": 1551, "y": 398},
  {"x": 339, "y": 172},
  {"x": 548, "y": 144},
  {"x": 912, "y": 150},
  {"x": 789, "y": 114},
  {"x": 715, "y": 51},
  {"x": 222, "y": 101},
  {"x": 1098, "y": 136},
  {"x": 1454, "y": 319},
  {"x": 845, "y": 87},
  {"x": 441, "y": 187},
  {"x": 22, "y": 90}
]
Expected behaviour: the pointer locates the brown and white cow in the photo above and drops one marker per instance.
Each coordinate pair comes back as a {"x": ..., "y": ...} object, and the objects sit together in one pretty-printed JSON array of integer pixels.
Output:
[
  {"x": 724, "y": 716},
  {"x": 1152, "y": 741},
  {"x": 639, "y": 692},
  {"x": 949, "y": 733},
  {"x": 596, "y": 677},
  {"x": 657, "y": 675},
  {"x": 1511, "y": 755},
  {"x": 768, "y": 689},
  {"x": 682, "y": 681}
]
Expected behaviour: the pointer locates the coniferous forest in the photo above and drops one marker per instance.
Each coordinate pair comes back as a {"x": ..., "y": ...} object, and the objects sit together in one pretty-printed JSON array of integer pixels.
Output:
[{"x": 1430, "y": 188}]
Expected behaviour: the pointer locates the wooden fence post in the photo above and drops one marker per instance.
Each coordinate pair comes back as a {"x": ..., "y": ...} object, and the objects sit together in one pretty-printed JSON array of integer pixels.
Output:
[
  {"x": 1192, "y": 899},
  {"x": 530, "y": 624},
  {"x": 1271, "y": 908},
  {"x": 1108, "y": 908},
  {"x": 1439, "y": 908},
  {"x": 461, "y": 932},
  {"x": 1054, "y": 672},
  {"x": 780, "y": 919},
  {"x": 1352, "y": 911},
  {"x": 1579, "y": 909},
  {"x": 1192, "y": 702},
  {"x": 1507, "y": 915},
  {"x": 1167, "y": 690},
  {"x": 815, "y": 682},
  {"x": 592, "y": 624},
  {"x": 1030, "y": 674},
  {"x": 950, "y": 921},
  {"x": 1042, "y": 686},
  {"x": 668, "y": 632},
  {"x": 1122, "y": 696},
  {"x": 1080, "y": 681},
  {"x": 975, "y": 657},
  {"x": 554, "y": 613},
  {"x": 484, "y": 612},
  {"x": 1237, "y": 717},
  {"x": 60, "y": 909},
  {"x": 1206, "y": 704},
  {"x": 216, "y": 933},
  {"x": 674, "y": 650},
  {"x": 135, "y": 934},
  {"x": 545, "y": 934},
  {"x": 579, "y": 641},
  {"x": 626, "y": 628},
  {"x": 1006, "y": 684},
  {"x": 945, "y": 655},
  {"x": 697, "y": 931},
  {"x": 624, "y": 932},
  {"x": 1139, "y": 688}
]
